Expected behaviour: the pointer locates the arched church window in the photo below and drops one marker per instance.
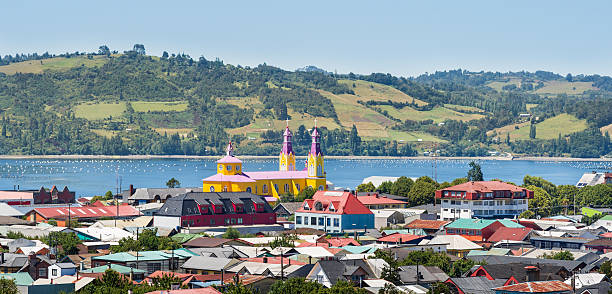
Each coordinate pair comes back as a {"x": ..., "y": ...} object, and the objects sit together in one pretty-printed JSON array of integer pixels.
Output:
[
  {"x": 264, "y": 189},
  {"x": 321, "y": 188},
  {"x": 212, "y": 189},
  {"x": 286, "y": 187},
  {"x": 248, "y": 189}
]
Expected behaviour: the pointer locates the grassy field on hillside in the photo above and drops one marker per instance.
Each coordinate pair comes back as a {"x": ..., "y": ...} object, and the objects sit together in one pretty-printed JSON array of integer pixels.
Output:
[
  {"x": 170, "y": 131},
  {"x": 412, "y": 136},
  {"x": 378, "y": 92},
  {"x": 56, "y": 63},
  {"x": 550, "y": 128},
  {"x": 96, "y": 111},
  {"x": 463, "y": 108},
  {"x": 529, "y": 106},
  {"x": 498, "y": 85},
  {"x": 438, "y": 114},
  {"x": 146, "y": 106},
  {"x": 560, "y": 87},
  {"x": 607, "y": 128}
]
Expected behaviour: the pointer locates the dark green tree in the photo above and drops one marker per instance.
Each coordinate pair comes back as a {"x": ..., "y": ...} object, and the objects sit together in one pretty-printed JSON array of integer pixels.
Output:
[
  {"x": 401, "y": 186},
  {"x": 385, "y": 187},
  {"x": 295, "y": 286},
  {"x": 369, "y": 187},
  {"x": 532, "y": 131},
  {"x": 173, "y": 183},
  {"x": 475, "y": 173},
  {"x": 8, "y": 286},
  {"x": 231, "y": 233},
  {"x": 355, "y": 141}
]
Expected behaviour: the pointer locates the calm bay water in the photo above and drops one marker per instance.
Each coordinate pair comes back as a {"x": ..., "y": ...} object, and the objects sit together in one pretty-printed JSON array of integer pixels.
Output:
[{"x": 90, "y": 177}]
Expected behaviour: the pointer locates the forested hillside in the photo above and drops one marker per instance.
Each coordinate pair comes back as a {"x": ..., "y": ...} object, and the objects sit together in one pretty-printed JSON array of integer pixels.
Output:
[{"x": 131, "y": 103}]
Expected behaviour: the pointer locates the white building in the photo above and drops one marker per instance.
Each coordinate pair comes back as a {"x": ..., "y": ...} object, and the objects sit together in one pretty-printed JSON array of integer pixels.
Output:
[
  {"x": 594, "y": 178},
  {"x": 484, "y": 199}
]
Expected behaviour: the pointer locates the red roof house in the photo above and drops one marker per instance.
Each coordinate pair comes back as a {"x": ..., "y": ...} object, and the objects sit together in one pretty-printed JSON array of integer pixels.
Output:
[
  {"x": 509, "y": 234},
  {"x": 337, "y": 241},
  {"x": 401, "y": 239},
  {"x": 334, "y": 211},
  {"x": 81, "y": 213},
  {"x": 536, "y": 287},
  {"x": 375, "y": 200},
  {"x": 429, "y": 226}
]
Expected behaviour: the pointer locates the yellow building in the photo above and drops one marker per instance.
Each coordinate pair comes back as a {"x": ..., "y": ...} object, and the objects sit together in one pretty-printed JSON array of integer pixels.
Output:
[{"x": 231, "y": 178}]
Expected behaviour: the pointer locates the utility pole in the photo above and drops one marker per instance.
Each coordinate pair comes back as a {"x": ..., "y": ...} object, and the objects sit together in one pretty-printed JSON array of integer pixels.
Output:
[
  {"x": 282, "y": 265},
  {"x": 69, "y": 220}
]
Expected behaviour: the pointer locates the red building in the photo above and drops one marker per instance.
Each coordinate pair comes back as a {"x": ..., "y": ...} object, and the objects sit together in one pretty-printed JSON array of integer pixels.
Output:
[
  {"x": 82, "y": 213},
  {"x": 41, "y": 196},
  {"x": 213, "y": 209},
  {"x": 484, "y": 199}
]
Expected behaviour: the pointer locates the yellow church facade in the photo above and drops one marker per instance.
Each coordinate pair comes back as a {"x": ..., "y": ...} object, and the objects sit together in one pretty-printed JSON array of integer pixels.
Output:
[{"x": 230, "y": 176}]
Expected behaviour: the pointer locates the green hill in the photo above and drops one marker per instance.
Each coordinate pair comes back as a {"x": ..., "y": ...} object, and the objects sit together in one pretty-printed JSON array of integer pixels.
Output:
[{"x": 136, "y": 104}]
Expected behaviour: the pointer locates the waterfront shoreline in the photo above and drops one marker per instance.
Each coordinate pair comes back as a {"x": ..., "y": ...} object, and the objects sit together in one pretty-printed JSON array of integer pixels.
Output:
[{"x": 141, "y": 157}]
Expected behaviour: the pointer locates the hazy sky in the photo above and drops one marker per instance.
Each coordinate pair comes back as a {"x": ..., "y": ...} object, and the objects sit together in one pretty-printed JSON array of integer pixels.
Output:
[{"x": 401, "y": 37}]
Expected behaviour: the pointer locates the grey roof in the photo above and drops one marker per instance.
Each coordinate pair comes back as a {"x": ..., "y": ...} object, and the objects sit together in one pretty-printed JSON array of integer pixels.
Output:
[
  {"x": 290, "y": 207},
  {"x": 336, "y": 270},
  {"x": 14, "y": 260},
  {"x": 428, "y": 274},
  {"x": 477, "y": 285},
  {"x": 223, "y": 252},
  {"x": 302, "y": 272},
  {"x": 599, "y": 288},
  {"x": 160, "y": 193},
  {"x": 564, "y": 240},
  {"x": 7, "y": 210},
  {"x": 569, "y": 265},
  {"x": 207, "y": 263},
  {"x": 66, "y": 265},
  {"x": 187, "y": 204},
  {"x": 430, "y": 208}
]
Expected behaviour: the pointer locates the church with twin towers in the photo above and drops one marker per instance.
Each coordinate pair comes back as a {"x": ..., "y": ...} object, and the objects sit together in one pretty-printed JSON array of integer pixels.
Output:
[{"x": 230, "y": 176}]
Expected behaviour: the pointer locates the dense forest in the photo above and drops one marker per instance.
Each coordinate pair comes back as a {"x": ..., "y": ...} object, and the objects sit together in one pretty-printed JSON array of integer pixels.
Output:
[{"x": 55, "y": 110}]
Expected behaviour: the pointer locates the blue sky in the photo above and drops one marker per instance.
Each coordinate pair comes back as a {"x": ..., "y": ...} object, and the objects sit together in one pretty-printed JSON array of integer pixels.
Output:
[{"x": 400, "y": 37}]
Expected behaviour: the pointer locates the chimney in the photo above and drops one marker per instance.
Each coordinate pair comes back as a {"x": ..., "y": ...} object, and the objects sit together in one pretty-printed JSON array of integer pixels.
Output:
[
  {"x": 533, "y": 273},
  {"x": 265, "y": 260},
  {"x": 1, "y": 257},
  {"x": 132, "y": 191},
  {"x": 109, "y": 265},
  {"x": 81, "y": 266}
]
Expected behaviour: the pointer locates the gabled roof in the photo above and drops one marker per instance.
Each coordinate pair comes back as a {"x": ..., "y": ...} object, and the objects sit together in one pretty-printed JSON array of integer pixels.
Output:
[
  {"x": 208, "y": 263},
  {"x": 341, "y": 242},
  {"x": 519, "y": 271},
  {"x": 116, "y": 267},
  {"x": 291, "y": 207},
  {"x": 455, "y": 242},
  {"x": 378, "y": 199},
  {"x": 485, "y": 186},
  {"x": 87, "y": 212},
  {"x": 468, "y": 223},
  {"x": 476, "y": 285},
  {"x": 537, "y": 287},
  {"x": 342, "y": 202},
  {"x": 511, "y": 234},
  {"x": 206, "y": 242},
  {"x": 399, "y": 238},
  {"x": 426, "y": 224}
]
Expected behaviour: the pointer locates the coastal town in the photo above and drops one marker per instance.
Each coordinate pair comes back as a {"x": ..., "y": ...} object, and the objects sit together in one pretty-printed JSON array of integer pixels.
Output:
[{"x": 291, "y": 230}]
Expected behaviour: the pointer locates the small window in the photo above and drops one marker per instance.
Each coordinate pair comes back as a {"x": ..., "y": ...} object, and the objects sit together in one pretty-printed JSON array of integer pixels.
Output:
[
  {"x": 264, "y": 189},
  {"x": 220, "y": 167},
  {"x": 297, "y": 186},
  {"x": 248, "y": 189},
  {"x": 336, "y": 222},
  {"x": 54, "y": 272},
  {"x": 229, "y": 167},
  {"x": 321, "y": 188},
  {"x": 286, "y": 187},
  {"x": 239, "y": 220},
  {"x": 298, "y": 220},
  {"x": 237, "y": 167},
  {"x": 212, "y": 189},
  {"x": 224, "y": 188},
  {"x": 305, "y": 219}
]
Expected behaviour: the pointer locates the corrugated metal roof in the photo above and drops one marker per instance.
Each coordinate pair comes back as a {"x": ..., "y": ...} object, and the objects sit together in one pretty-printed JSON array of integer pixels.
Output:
[{"x": 537, "y": 287}]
